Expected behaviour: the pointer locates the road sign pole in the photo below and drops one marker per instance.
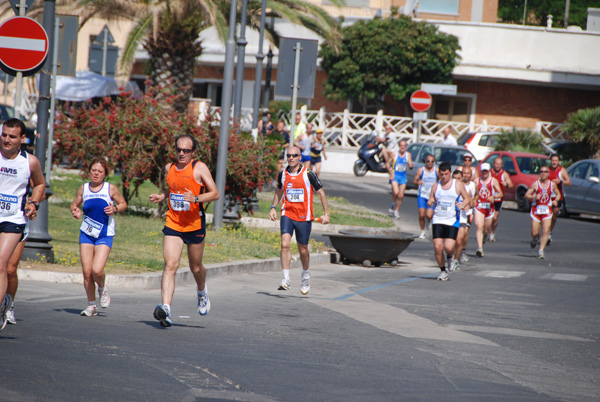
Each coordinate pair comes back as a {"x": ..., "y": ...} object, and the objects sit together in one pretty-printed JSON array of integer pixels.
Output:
[
  {"x": 298, "y": 49},
  {"x": 52, "y": 99},
  {"x": 38, "y": 247},
  {"x": 19, "y": 91}
]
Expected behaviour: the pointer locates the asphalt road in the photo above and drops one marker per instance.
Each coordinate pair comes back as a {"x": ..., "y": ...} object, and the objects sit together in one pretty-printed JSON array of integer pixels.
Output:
[{"x": 505, "y": 327}]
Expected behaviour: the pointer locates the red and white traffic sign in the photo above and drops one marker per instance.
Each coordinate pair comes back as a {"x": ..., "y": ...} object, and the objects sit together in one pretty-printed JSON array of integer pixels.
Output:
[
  {"x": 420, "y": 101},
  {"x": 23, "y": 44}
]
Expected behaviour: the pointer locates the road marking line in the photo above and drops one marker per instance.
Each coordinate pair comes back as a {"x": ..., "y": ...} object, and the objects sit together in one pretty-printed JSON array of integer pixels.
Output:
[
  {"x": 565, "y": 277},
  {"x": 501, "y": 274},
  {"x": 517, "y": 332}
]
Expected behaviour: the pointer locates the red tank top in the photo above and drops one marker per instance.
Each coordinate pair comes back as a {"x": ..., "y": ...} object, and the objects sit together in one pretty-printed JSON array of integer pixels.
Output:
[
  {"x": 498, "y": 176},
  {"x": 543, "y": 205},
  {"x": 555, "y": 174},
  {"x": 485, "y": 190},
  {"x": 184, "y": 216}
]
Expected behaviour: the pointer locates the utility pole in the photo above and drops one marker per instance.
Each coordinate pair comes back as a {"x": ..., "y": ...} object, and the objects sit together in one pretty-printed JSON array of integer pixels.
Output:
[
  {"x": 259, "y": 67},
  {"x": 239, "y": 74}
]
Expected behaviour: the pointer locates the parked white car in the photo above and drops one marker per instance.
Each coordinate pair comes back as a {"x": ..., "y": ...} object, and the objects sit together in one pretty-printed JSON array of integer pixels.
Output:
[{"x": 479, "y": 144}]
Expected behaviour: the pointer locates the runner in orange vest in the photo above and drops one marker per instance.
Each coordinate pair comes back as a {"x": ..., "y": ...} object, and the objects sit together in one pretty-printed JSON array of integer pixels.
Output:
[
  {"x": 190, "y": 185},
  {"x": 296, "y": 186}
]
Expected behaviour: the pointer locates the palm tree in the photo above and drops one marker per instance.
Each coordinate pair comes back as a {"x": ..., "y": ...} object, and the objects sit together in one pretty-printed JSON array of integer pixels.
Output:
[
  {"x": 169, "y": 30},
  {"x": 519, "y": 141},
  {"x": 584, "y": 127}
]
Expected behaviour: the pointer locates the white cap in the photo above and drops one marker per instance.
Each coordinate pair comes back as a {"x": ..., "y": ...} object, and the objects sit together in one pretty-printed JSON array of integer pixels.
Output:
[{"x": 485, "y": 166}]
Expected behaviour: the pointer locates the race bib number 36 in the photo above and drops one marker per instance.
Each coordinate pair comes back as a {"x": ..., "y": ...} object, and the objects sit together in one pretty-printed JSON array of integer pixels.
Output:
[
  {"x": 90, "y": 227},
  {"x": 8, "y": 204},
  {"x": 294, "y": 195},
  {"x": 177, "y": 203}
]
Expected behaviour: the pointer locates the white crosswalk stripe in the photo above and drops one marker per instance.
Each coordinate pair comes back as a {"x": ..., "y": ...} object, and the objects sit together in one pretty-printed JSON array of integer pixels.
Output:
[
  {"x": 566, "y": 277},
  {"x": 501, "y": 274}
]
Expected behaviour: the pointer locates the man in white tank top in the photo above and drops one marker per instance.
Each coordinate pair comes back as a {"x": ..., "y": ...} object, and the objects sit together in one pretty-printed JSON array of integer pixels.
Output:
[
  {"x": 445, "y": 222},
  {"x": 16, "y": 168}
]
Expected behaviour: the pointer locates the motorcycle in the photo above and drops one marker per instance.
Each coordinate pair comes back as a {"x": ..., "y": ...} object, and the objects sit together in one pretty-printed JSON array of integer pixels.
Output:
[{"x": 369, "y": 158}]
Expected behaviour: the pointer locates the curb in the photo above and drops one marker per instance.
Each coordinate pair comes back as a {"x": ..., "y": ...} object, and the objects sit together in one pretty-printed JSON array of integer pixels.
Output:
[{"x": 183, "y": 275}]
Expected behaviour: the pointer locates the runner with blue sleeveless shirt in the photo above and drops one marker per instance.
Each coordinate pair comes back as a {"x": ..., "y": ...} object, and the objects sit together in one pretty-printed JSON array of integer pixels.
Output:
[
  {"x": 397, "y": 169},
  {"x": 101, "y": 200}
]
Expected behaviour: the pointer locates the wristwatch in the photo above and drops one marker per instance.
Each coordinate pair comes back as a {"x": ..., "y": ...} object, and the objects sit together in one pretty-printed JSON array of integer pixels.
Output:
[
  {"x": 35, "y": 204},
  {"x": 197, "y": 199},
  {"x": 273, "y": 207}
]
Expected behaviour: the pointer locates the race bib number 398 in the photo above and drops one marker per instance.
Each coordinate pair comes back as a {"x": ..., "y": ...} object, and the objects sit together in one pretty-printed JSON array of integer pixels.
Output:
[
  {"x": 177, "y": 202},
  {"x": 8, "y": 204},
  {"x": 294, "y": 194}
]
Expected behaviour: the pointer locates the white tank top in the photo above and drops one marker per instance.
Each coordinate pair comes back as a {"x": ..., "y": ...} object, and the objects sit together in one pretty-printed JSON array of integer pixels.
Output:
[
  {"x": 14, "y": 185},
  {"x": 464, "y": 213},
  {"x": 429, "y": 179},
  {"x": 445, "y": 212}
]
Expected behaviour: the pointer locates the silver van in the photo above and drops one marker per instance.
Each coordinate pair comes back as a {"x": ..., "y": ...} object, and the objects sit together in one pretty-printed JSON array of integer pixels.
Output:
[{"x": 442, "y": 153}]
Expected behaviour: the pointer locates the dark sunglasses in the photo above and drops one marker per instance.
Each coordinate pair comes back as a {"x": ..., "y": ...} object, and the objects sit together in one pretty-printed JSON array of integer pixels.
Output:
[
  {"x": 292, "y": 155},
  {"x": 185, "y": 151},
  {"x": 467, "y": 158},
  {"x": 544, "y": 171}
]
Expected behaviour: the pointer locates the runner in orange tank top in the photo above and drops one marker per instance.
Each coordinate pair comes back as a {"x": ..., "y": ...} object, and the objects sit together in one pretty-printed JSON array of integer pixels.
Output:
[
  {"x": 559, "y": 176},
  {"x": 296, "y": 186},
  {"x": 190, "y": 185}
]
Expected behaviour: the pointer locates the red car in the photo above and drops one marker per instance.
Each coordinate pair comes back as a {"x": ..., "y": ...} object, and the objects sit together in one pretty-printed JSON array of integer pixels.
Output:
[{"x": 523, "y": 168}]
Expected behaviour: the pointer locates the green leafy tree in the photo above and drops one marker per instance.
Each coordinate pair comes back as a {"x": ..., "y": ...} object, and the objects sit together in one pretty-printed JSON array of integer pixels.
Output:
[
  {"x": 137, "y": 138},
  {"x": 511, "y": 11},
  {"x": 388, "y": 56},
  {"x": 583, "y": 127},
  {"x": 520, "y": 141}
]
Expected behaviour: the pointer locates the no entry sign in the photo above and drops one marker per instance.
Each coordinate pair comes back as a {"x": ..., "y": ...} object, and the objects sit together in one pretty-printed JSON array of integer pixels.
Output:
[
  {"x": 23, "y": 44},
  {"x": 420, "y": 101}
]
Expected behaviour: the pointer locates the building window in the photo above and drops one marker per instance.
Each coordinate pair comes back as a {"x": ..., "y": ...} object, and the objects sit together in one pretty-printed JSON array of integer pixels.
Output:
[
  {"x": 439, "y": 6},
  {"x": 452, "y": 108}
]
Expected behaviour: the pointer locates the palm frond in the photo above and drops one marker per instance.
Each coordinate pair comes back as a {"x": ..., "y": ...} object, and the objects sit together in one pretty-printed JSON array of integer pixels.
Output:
[{"x": 137, "y": 34}]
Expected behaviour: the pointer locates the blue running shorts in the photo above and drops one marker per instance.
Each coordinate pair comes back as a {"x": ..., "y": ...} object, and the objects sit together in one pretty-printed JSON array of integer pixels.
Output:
[{"x": 302, "y": 229}]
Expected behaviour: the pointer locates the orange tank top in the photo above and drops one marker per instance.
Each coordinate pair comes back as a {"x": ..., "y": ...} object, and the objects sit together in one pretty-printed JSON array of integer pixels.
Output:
[
  {"x": 184, "y": 216},
  {"x": 297, "y": 196}
]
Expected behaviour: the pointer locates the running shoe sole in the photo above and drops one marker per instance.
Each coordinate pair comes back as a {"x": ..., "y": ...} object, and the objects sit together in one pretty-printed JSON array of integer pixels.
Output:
[
  {"x": 203, "y": 310},
  {"x": 533, "y": 243},
  {"x": 10, "y": 317},
  {"x": 284, "y": 286},
  {"x": 161, "y": 315},
  {"x": 479, "y": 253}
]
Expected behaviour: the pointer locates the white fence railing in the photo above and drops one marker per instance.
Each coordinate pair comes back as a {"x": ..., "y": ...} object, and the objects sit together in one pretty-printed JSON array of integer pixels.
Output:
[{"x": 347, "y": 130}]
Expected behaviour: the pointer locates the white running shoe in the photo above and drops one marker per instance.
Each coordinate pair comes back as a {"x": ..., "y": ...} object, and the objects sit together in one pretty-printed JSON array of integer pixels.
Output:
[
  {"x": 391, "y": 211},
  {"x": 451, "y": 264},
  {"x": 396, "y": 215},
  {"x": 492, "y": 237},
  {"x": 4, "y": 306},
  {"x": 104, "y": 298},
  {"x": 90, "y": 311},
  {"x": 203, "y": 304},
  {"x": 443, "y": 276},
  {"x": 479, "y": 252},
  {"x": 423, "y": 235},
  {"x": 305, "y": 285},
  {"x": 541, "y": 254},
  {"x": 285, "y": 284},
  {"x": 10, "y": 315},
  {"x": 456, "y": 265},
  {"x": 464, "y": 257}
]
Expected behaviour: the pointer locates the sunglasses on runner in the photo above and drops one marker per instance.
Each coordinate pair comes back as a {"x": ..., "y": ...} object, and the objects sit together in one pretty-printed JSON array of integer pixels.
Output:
[
  {"x": 185, "y": 151},
  {"x": 292, "y": 155}
]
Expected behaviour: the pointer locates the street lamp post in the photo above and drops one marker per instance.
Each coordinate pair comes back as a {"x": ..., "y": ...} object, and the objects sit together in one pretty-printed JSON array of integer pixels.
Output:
[
  {"x": 239, "y": 74},
  {"x": 225, "y": 118}
]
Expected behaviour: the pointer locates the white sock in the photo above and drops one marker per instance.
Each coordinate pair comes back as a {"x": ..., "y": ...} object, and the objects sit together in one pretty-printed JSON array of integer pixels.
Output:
[
  {"x": 305, "y": 274},
  {"x": 167, "y": 308},
  {"x": 92, "y": 303},
  {"x": 286, "y": 274},
  {"x": 202, "y": 293}
]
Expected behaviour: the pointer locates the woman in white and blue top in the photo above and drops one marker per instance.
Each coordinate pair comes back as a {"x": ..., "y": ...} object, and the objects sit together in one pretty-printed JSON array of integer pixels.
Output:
[
  {"x": 101, "y": 200},
  {"x": 445, "y": 222}
]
